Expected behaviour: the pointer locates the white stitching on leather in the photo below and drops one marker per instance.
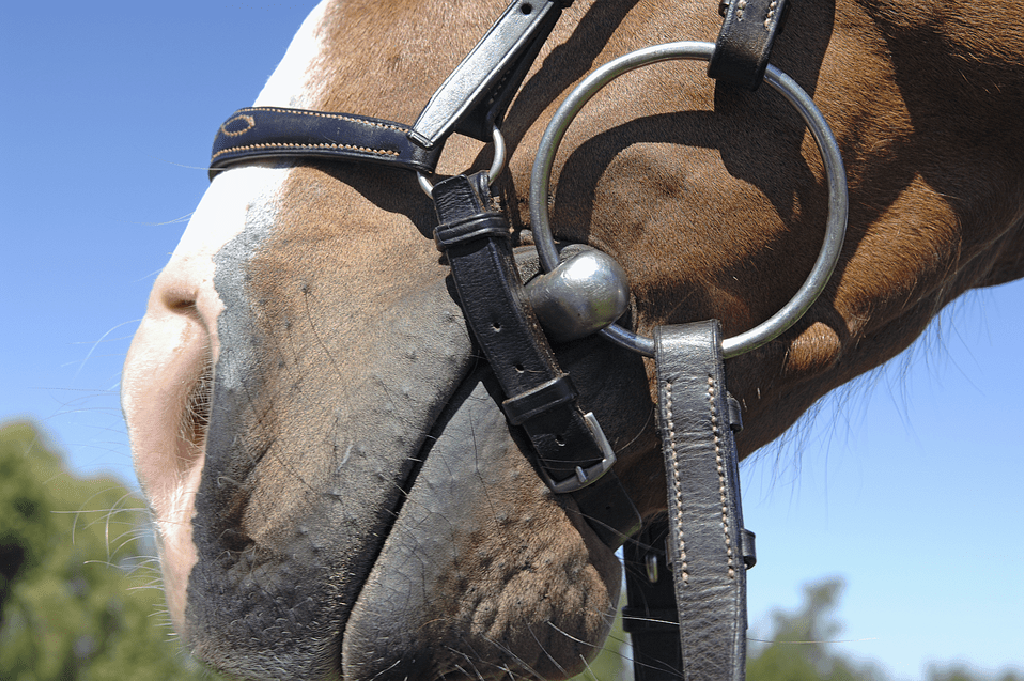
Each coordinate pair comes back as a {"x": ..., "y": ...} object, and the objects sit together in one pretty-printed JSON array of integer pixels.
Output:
[
  {"x": 771, "y": 15},
  {"x": 250, "y": 123},
  {"x": 335, "y": 116},
  {"x": 303, "y": 147},
  {"x": 677, "y": 483},
  {"x": 720, "y": 467}
]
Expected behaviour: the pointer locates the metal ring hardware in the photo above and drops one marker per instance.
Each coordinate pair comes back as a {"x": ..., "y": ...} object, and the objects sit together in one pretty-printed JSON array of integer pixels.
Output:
[
  {"x": 838, "y": 200},
  {"x": 497, "y": 164}
]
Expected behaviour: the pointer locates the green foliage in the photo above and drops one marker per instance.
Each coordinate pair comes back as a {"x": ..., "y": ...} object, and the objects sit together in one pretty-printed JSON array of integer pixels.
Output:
[
  {"x": 79, "y": 595},
  {"x": 800, "y": 650},
  {"x": 960, "y": 672}
]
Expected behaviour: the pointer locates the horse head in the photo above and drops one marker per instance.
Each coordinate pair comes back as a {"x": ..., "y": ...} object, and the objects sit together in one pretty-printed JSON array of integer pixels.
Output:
[{"x": 336, "y": 490}]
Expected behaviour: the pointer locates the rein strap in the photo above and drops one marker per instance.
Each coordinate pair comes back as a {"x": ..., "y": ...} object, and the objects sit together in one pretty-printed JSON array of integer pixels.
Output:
[
  {"x": 693, "y": 625},
  {"x": 705, "y": 519}
]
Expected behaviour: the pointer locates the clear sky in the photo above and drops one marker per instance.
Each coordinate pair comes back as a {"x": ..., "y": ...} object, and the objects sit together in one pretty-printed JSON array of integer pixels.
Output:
[{"x": 906, "y": 484}]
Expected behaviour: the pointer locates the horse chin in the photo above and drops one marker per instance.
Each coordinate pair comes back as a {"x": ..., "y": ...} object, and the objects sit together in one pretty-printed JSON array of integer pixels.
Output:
[
  {"x": 383, "y": 526},
  {"x": 480, "y": 574},
  {"x": 483, "y": 572}
]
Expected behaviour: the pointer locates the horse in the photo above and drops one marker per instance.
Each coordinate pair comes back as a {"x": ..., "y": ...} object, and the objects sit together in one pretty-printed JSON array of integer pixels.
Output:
[{"x": 336, "y": 490}]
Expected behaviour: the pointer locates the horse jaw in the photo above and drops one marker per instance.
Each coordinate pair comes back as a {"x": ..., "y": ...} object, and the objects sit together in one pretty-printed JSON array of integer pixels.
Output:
[{"x": 483, "y": 572}]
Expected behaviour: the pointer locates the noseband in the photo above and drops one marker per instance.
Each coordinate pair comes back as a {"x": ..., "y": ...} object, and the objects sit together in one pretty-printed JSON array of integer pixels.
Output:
[{"x": 692, "y": 626}]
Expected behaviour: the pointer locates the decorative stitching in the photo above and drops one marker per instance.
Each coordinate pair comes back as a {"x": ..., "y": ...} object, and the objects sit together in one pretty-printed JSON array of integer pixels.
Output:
[
  {"x": 677, "y": 483},
  {"x": 304, "y": 147},
  {"x": 740, "y": 6},
  {"x": 771, "y": 15},
  {"x": 720, "y": 466},
  {"x": 334, "y": 116},
  {"x": 251, "y": 123}
]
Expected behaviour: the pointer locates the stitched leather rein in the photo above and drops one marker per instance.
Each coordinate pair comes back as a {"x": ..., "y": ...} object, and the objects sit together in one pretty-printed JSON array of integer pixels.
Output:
[{"x": 691, "y": 626}]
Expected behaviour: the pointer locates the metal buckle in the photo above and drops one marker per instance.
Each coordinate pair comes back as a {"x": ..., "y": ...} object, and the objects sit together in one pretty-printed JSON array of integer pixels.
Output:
[{"x": 591, "y": 474}]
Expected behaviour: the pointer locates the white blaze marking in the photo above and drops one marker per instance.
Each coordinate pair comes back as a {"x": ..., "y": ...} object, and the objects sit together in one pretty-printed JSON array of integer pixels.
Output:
[
  {"x": 166, "y": 356},
  {"x": 296, "y": 67}
]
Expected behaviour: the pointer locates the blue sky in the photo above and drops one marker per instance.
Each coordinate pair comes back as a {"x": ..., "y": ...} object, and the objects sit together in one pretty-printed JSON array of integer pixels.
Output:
[{"x": 906, "y": 484}]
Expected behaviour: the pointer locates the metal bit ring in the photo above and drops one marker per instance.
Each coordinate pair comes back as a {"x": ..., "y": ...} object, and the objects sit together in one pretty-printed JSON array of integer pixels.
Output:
[{"x": 838, "y": 201}]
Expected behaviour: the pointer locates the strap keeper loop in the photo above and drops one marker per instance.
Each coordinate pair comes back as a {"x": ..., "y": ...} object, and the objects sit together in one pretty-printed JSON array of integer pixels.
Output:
[
  {"x": 526, "y": 405},
  {"x": 481, "y": 226}
]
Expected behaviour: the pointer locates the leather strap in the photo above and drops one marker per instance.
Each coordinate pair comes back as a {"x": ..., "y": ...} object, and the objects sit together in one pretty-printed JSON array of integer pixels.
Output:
[
  {"x": 476, "y": 94},
  {"x": 704, "y": 513},
  {"x": 276, "y": 132},
  {"x": 744, "y": 43},
  {"x": 572, "y": 454},
  {"x": 650, "y": 614}
]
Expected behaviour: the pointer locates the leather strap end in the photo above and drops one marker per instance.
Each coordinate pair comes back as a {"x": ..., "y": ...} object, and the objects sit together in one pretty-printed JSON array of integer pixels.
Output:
[
  {"x": 705, "y": 513},
  {"x": 744, "y": 44}
]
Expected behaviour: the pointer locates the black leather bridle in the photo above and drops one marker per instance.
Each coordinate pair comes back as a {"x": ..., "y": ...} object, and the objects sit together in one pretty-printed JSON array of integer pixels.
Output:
[{"x": 692, "y": 626}]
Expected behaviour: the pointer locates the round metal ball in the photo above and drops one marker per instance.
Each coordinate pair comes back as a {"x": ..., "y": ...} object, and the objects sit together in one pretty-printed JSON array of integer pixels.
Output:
[{"x": 582, "y": 295}]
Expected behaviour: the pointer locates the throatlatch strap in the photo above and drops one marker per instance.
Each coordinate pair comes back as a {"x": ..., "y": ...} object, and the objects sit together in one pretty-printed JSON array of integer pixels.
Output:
[
  {"x": 702, "y": 467},
  {"x": 744, "y": 43},
  {"x": 541, "y": 398},
  {"x": 277, "y": 132}
]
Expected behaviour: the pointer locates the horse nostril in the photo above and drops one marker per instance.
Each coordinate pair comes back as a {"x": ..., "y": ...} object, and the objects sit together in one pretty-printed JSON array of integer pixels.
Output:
[{"x": 195, "y": 418}]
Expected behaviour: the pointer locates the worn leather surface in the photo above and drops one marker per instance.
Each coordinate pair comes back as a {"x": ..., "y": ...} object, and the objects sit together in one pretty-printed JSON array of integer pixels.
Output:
[
  {"x": 702, "y": 469},
  {"x": 541, "y": 398},
  {"x": 275, "y": 132},
  {"x": 479, "y": 90},
  {"x": 744, "y": 43}
]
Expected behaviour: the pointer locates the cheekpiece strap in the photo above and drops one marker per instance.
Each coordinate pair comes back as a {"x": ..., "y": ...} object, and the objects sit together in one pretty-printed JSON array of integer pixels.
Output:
[
  {"x": 476, "y": 94},
  {"x": 705, "y": 519},
  {"x": 572, "y": 453},
  {"x": 277, "y": 132},
  {"x": 744, "y": 43}
]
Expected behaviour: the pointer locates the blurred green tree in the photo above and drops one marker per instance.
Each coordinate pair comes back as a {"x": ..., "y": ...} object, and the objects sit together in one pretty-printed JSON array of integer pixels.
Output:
[
  {"x": 80, "y": 596},
  {"x": 800, "y": 649},
  {"x": 79, "y": 589}
]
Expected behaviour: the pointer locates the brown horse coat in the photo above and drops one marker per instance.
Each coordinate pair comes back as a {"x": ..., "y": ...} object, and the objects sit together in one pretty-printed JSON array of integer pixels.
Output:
[{"x": 335, "y": 488}]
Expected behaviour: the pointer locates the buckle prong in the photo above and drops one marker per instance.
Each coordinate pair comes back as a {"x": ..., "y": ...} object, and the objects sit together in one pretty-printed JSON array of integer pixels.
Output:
[{"x": 591, "y": 474}]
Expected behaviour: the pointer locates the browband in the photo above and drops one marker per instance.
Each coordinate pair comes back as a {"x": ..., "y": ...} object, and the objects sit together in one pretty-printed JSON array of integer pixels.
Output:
[
  {"x": 275, "y": 132},
  {"x": 474, "y": 97},
  {"x": 472, "y": 100}
]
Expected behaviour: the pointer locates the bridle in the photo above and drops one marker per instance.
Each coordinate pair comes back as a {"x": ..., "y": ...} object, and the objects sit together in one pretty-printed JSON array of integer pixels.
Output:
[{"x": 692, "y": 626}]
